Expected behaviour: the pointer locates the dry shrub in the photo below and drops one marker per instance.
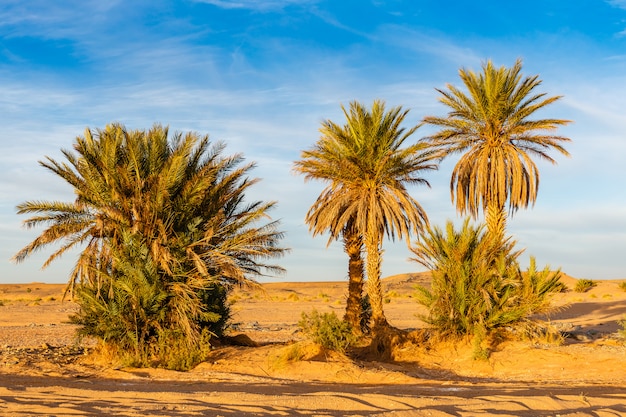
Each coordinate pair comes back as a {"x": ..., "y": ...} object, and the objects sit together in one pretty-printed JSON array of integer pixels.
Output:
[
  {"x": 304, "y": 351},
  {"x": 584, "y": 285}
]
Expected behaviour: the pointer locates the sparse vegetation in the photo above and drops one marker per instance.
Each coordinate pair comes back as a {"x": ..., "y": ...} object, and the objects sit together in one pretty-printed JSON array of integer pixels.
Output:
[
  {"x": 292, "y": 353},
  {"x": 622, "y": 285},
  {"x": 323, "y": 296},
  {"x": 584, "y": 285}
]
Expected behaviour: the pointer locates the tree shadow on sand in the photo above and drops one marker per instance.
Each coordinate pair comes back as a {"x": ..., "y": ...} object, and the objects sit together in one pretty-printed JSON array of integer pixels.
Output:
[{"x": 56, "y": 396}]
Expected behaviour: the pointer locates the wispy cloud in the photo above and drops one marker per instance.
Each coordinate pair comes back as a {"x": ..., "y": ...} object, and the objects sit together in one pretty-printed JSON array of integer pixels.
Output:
[
  {"x": 256, "y": 5},
  {"x": 617, "y": 3},
  {"x": 423, "y": 42}
]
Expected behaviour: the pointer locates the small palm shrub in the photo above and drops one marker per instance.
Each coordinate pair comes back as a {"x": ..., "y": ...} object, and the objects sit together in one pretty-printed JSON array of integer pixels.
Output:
[
  {"x": 142, "y": 320},
  {"x": 327, "y": 330},
  {"x": 584, "y": 285},
  {"x": 538, "y": 285},
  {"x": 477, "y": 285}
]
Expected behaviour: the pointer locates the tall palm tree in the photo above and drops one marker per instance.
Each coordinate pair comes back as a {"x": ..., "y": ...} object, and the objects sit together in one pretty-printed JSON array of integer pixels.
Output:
[
  {"x": 367, "y": 169},
  {"x": 491, "y": 126},
  {"x": 174, "y": 197}
]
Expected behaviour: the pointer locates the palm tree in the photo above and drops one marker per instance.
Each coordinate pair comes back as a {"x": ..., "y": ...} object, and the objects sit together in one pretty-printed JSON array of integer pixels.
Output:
[
  {"x": 367, "y": 169},
  {"x": 176, "y": 192},
  {"x": 176, "y": 199},
  {"x": 491, "y": 126}
]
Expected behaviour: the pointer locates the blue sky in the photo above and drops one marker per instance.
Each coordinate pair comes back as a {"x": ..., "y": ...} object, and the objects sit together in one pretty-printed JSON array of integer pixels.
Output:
[{"x": 262, "y": 75}]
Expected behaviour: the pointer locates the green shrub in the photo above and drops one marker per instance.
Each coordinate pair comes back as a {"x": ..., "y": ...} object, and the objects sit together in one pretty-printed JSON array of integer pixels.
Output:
[
  {"x": 584, "y": 285},
  {"x": 622, "y": 286},
  {"x": 477, "y": 284},
  {"x": 327, "y": 330}
]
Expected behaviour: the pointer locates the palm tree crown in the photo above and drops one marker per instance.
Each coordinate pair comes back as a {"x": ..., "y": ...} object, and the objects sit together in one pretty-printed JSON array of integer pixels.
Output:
[
  {"x": 178, "y": 194},
  {"x": 491, "y": 126}
]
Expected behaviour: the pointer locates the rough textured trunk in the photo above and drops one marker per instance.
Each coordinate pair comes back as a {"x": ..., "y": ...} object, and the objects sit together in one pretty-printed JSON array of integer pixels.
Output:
[
  {"x": 373, "y": 285},
  {"x": 353, "y": 246},
  {"x": 495, "y": 218}
]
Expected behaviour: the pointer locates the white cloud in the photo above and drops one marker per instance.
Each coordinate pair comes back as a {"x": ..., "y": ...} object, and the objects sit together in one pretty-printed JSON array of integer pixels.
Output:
[
  {"x": 422, "y": 42},
  {"x": 618, "y": 3},
  {"x": 262, "y": 5}
]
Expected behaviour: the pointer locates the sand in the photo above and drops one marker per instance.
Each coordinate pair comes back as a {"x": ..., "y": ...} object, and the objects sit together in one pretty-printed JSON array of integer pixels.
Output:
[{"x": 45, "y": 372}]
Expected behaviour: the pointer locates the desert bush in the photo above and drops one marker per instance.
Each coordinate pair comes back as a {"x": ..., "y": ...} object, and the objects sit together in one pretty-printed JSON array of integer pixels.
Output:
[
  {"x": 477, "y": 285},
  {"x": 584, "y": 285},
  {"x": 327, "y": 330},
  {"x": 622, "y": 286}
]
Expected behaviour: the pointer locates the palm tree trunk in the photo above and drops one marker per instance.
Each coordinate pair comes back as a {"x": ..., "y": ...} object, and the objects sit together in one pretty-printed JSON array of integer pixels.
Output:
[
  {"x": 495, "y": 217},
  {"x": 353, "y": 246},
  {"x": 374, "y": 286}
]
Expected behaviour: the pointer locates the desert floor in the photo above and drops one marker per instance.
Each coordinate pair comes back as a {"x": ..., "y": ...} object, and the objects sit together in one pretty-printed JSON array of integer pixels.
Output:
[{"x": 44, "y": 371}]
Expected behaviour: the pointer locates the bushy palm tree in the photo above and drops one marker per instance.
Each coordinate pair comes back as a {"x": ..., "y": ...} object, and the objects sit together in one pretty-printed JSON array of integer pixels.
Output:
[
  {"x": 477, "y": 286},
  {"x": 176, "y": 199},
  {"x": 474, "y": 279},
  {"x": 367, "y": 170},
  {"x": 491, "y": 126}
]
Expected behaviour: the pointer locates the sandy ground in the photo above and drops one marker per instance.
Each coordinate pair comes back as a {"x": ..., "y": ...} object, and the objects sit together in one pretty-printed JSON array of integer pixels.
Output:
[{"x": 44, "y": 371}]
